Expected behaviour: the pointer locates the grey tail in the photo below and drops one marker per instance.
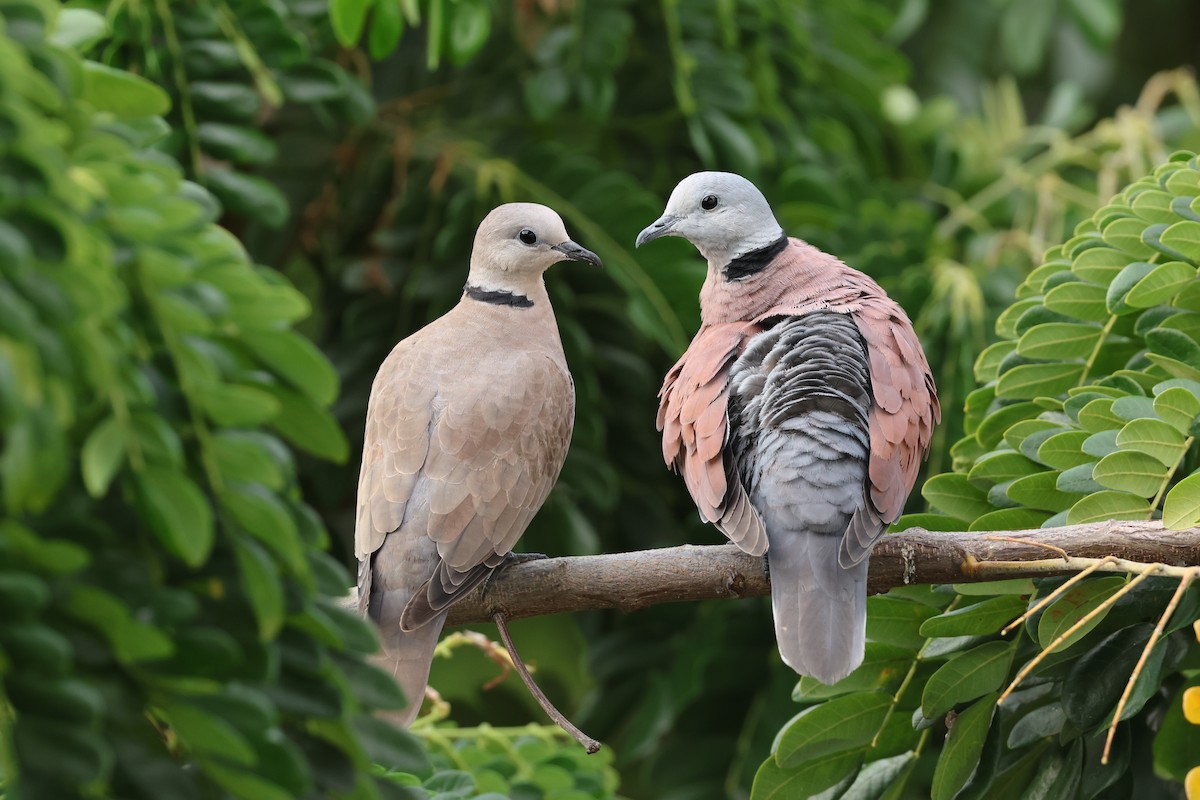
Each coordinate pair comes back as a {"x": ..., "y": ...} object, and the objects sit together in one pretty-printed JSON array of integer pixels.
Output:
[
  {"x": 820, "y": 607},
  {"x": 406, "y": 655}
]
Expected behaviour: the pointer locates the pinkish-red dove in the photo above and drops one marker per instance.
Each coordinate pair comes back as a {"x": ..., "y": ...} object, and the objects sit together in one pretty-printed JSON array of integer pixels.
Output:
[
  {"x": 798, "y": 416},
  {"x": 468, "y": 425}
]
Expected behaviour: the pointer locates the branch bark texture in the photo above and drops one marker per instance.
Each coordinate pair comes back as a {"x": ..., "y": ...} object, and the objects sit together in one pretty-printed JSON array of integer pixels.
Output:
[{"x": 630, "y": 581}]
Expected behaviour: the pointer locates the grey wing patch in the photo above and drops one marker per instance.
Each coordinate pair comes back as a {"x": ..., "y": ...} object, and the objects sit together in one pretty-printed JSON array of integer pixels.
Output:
[{"x": 800, "y": 399}]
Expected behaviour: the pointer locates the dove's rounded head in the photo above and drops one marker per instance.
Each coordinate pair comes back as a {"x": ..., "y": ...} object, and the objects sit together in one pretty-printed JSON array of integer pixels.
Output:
[
  {"x": 722, "y": 214},
  {"x": 520, "y": 241}
]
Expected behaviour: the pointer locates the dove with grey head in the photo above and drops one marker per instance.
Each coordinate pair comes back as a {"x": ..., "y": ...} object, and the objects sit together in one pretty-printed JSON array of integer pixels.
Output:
[
  {"x": 798, "y": 416},
  {"x": 468, "y": 425}
]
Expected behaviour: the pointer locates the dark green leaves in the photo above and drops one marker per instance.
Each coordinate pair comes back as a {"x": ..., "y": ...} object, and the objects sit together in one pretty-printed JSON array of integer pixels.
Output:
[
  {"x": 967, "y": 676},
  {"x": 844, "y": 723},
  {"x": 964, "y": 743},
  {"x": 177, "y": 512},
  {"x": 121, "y": 93}
]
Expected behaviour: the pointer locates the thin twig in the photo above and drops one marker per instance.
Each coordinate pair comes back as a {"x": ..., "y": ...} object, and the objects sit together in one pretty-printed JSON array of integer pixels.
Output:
[
  {"x": 1062, "y": 637},
  {"x": 1141, "y": 662},
  {"x": 1045, "y": 601},
  {"x": 1016, "y": 540},
  {"x": 589, "y": 744},
  {"x": 991, "y": 569}
]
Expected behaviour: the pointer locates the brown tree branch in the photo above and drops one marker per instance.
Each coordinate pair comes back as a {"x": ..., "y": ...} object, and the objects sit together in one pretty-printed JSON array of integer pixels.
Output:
[{"x": 630, "y": 581}]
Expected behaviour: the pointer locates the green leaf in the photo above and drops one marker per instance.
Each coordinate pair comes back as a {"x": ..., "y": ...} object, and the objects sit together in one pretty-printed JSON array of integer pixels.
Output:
[
  {"x": 964, "y": 744},
  {"x": 1078, "y": 480},
  {"x": 132, "y": 641},
  {"x": 1079, "y": 300},
  {"x": 1096, "y": 681},
  {"x": 1176, "y": 345},
  {"x": 247, "y": 456},
  {"x": 1125, "y": 234},
  {"x": 1006, "y": 323},
  {"x": 773, "y": 782},
  {"x": 1128, "y": 471},
  {"x": 177, "y": 512},
  {"x": 226, "y": 100},
  {"x": 72, "y": 754},
  {"x": 205, "y": 733},
  {"x": 967, "y": 676},
  {"x": 1021, "y": 586},
  {"x": 390, "y": 746},
  {"x": 470, "y": 24},
  {"x": 236, "y": 143},
  {"x": 262, "y": 585},
  {"x": 1025, "y": 30},
  {"x": 1131, "y": 408},
  {"x": 1016, "y": 435},
  {"x": 1125, "y": 280},
  {"x": 998, "y": 467},
  {"x": 953, "y": 494},
  {"x": 843, "y": 723},
  {"x": 1027, "y": 381},
  {"x": 1108, "y": 505},
  {"x": 1183, "y": 237},
  {"x": 387, "y": 25},
  {"x": 1098, "y": 416},
  {"x": 1178, "y": 407},
  {"x": 987, "y": 364},
  {"x": 250, "y": 195},
  {"x": 1064, "y": 450},
  {"x": 309, "y": 426},
  {"x": 1162, "y": 284},
  {"x": 1008, "y": 519},
  {"x": 893, "y": 621},
  {"x": 987, "y": 616},
  {"x": 995, "y": 426},
  {"x": 1154, "y": 206},
  {"x": 121, "y": 93},
  {"x": 1182, "y": 507},
  {"x": 1155, "y": 438},
  {"x": 1077, "y": 603},
  {"x": 102, "y": 455},
  {"x": 1039, "y": 723},
  {"x": 1100, "y": 264},
  {"x": 879, "y": 777},
  {"x": 347, "y": 18},
  {"x": 1041, "y": 492},
  {"x": 1059, "y": 340},
  {"x": 295, "y": 359},
  {"x": 235, "y": 405},
  {"x": 265, "y": 517},
  {"x": 78, "y": 29},
  {"x": 241, "y": 783},
  {"x": 1176, "y": 745}
]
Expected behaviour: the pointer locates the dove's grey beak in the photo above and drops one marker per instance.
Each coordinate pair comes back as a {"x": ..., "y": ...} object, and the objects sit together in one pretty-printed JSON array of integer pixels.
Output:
[
  {"x": 576, "y": 253},
  {"x": 662, "y": 227}
]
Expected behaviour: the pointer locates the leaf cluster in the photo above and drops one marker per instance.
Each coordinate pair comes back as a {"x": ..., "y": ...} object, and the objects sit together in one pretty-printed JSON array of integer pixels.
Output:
[{"x": 171, "y": 626}]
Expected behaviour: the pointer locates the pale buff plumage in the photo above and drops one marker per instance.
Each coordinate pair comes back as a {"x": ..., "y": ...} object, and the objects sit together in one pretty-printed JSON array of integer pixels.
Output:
[{"x": 468, "y": 425}]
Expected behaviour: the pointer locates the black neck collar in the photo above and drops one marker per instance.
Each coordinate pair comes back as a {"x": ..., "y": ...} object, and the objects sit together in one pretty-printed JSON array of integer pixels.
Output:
[
  {"x": 497, "y": 297},
  {"x": 755, "y": 261}
]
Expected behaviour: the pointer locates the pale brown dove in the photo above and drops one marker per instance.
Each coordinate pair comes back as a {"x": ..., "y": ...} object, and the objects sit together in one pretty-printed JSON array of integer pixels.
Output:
[
  {"x": 468, "y": 425},
  {"x": 798, "y": 416}
]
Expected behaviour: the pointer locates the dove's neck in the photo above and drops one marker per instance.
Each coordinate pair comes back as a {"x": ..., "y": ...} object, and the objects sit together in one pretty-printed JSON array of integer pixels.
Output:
[{"x": 505, "y": 288}]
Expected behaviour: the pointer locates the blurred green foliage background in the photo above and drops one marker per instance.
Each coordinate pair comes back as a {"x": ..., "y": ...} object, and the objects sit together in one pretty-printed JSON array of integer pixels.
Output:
[{"x": 939, "y": 145}]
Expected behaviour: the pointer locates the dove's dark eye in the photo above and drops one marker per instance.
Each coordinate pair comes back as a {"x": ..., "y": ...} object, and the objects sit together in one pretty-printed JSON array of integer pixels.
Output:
[
  {"x": 709, "y": 202},
  {"x": 527, "y": 236}
]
